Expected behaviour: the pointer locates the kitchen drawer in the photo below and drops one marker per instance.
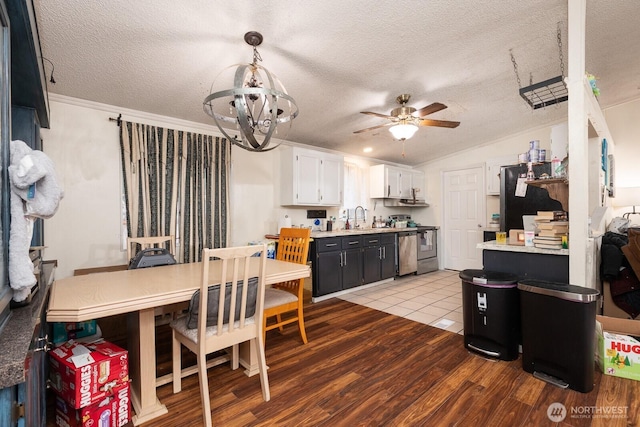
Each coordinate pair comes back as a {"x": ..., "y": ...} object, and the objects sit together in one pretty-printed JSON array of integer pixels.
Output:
[
  {"x": 328, "y": 244},
  {"x": 351, "y": 242},
  {"x": 372, "y": 240},
  {"x": 387, "y": 238}
]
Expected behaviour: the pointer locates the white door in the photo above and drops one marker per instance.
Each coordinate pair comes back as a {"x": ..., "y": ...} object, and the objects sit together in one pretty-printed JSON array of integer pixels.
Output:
[{"x": 464, "y": 217}]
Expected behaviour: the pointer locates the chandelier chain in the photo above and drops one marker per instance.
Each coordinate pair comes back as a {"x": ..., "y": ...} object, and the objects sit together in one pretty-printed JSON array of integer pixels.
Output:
[
  {"x": 559, "y": 37},
  {"x": 256, "y": 56},
  {"x": 515, "y": 68}
]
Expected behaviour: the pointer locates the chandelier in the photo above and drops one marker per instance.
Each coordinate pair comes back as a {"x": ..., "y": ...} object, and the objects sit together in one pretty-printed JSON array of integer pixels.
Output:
[{"x": 257, "y": 103}]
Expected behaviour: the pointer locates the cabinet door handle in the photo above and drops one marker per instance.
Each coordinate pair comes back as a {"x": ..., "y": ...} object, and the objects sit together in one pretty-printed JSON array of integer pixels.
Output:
[
  {"x": 388, "y": 190},
  {"x": 384, "y": 252},
  {"x": 330, "y": 244},
  {"x": 373, "y": 241},
  {"x": 380, "y": 253},
  {"x": 345, "y": 259},
  {"x": 341, "y": 259},
  {"x": 354, "y": 242}
]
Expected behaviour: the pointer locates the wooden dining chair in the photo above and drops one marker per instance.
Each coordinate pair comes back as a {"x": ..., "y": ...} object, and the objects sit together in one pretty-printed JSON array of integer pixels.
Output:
[
  {"x": 167, "y": 313},
  {"x": 218, "y": 326},
  {"x": 166, "y": 242},
  {"x": 287, "y": 297}
]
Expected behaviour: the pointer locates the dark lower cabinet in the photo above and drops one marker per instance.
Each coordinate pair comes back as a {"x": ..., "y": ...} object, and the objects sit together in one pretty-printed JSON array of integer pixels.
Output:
[
  {"x": 379, "y": 257},
  {"x": 337, "y": 264},
  {"x": 345, "y": 262}
]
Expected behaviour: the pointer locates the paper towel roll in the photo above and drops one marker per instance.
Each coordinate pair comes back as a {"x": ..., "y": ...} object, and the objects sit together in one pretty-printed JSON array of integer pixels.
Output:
[{"x": 284, "y": 223}]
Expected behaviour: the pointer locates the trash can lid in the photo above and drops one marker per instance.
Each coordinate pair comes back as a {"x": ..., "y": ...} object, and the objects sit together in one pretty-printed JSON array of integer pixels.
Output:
[
  {"x": 489, "y": 278},
  {"x": 560, "y": 290}
]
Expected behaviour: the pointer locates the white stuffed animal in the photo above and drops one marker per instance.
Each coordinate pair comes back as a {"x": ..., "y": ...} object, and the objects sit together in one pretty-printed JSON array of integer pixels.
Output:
[{"x": 34, "y": 193}]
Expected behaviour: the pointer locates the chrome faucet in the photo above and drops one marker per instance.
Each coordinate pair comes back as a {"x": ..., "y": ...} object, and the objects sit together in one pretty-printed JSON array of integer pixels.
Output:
[{"x": 355, "y": 214}]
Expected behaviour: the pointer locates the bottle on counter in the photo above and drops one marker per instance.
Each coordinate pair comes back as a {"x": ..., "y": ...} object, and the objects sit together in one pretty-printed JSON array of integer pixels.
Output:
[
  {"x": 347, "y": 226},
  {"x": 373, "y": 224}
]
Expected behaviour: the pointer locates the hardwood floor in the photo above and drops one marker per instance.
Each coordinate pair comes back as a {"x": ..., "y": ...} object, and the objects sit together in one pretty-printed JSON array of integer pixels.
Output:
[{"x": 364, "y": 367}]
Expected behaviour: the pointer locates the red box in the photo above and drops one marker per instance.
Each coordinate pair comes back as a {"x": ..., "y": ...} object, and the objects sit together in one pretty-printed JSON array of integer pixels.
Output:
[
  {"x": 114, "y": 410},
  {"x": 82, "y": 374}
]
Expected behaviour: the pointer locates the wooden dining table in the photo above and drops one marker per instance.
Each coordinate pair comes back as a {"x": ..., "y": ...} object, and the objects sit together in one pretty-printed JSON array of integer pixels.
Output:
[{"x": 138, "y": 292}]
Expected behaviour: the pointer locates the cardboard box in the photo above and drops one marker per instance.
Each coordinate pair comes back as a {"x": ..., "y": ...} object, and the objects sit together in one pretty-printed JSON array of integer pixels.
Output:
[
  {"x": 113, "y": 410},
  {"x": 64, "y": 331},
  {"x": 83, "y": 374},
  {"x": 618, "y": 352}
]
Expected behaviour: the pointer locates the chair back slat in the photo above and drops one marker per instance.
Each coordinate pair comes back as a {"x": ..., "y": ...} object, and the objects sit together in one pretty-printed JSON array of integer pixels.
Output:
[
  {"x": 293, "y": 245},
  {"x": 166, "y": 242}
]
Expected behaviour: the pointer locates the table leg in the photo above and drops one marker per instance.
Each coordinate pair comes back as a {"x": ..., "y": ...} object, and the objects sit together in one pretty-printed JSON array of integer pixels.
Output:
[
  {"x": 249, "y": 358},
  {"x": 142, "y": 360}
]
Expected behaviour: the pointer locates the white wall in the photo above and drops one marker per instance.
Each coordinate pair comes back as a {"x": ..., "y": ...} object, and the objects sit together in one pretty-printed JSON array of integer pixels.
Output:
[
  {"x": 512, "y": 145},
  {"x": 84, "y": 146}
]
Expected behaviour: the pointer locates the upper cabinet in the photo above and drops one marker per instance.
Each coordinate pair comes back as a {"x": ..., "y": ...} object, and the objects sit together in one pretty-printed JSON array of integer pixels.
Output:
[
  {"x": 311, "y": 178},
  {"x": 391, "y": 182},
  {"x": 492, "y": 172}
]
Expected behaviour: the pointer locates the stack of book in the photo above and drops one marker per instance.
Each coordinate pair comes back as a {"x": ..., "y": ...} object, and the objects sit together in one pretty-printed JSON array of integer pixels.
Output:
[{"x": 552, "y": 226}]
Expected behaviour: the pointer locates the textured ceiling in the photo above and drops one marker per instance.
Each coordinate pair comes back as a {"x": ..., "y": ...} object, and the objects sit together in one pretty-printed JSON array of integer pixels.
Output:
[{"x": 337, "y": 58}]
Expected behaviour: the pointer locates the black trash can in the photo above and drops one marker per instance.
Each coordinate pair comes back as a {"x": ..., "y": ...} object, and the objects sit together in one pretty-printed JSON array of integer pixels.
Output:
[
  {"x": 558, "y": 333},
  {"x": 491, "y": 313}
]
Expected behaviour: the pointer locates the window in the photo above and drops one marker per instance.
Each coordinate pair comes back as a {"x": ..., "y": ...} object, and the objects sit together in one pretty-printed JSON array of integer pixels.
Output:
[{"x": 356, "y": 188}]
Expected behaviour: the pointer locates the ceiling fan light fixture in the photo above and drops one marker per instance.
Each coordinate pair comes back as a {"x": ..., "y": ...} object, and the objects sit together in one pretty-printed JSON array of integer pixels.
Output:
[{"x": 403, "y": 131}]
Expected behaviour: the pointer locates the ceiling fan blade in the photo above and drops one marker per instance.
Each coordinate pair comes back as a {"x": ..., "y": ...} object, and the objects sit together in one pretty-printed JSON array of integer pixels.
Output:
[
  {"x": 429, "y": 109},
  {"x": 439, "y": 123},
  {"x": 384, "y": 116},
  {"x": 373, "y": 127}
]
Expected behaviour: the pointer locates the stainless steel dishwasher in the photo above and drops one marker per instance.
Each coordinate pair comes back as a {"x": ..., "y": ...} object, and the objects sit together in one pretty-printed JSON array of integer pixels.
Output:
[{"x": 407, "y": 252}]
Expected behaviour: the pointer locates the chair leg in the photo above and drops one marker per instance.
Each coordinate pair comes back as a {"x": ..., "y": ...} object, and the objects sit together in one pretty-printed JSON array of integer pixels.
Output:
[
  {"x": 204, "y": 388},
  {"x": 279, "y": 318},
  {"x": 177, "y": 363},
  {"x": 262, "y": 367},
  {"x": 264, "y": 330},
  {"x": 303, "y": 333},
  {"x": 235, "y": 356}
]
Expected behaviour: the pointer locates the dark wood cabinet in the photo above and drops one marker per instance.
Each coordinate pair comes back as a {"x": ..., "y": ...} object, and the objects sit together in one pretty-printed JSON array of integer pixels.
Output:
[
  {"x": 337, "y": 264},
  {"x": 378, "y": 257},
  {"x": 345, "y": 262},
  {"x": 351, "y": 261}
]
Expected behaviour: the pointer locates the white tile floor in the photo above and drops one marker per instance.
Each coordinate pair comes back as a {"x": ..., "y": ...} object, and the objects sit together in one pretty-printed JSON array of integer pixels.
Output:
[{"x": 433, "y": 298}]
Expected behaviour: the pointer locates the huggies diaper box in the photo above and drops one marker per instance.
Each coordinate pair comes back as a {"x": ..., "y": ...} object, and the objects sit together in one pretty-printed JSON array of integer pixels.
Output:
[
  {"x": 618, "y": 349},
  {"x": 114, "y": 410},
  {"x": 83, "y": 374}
]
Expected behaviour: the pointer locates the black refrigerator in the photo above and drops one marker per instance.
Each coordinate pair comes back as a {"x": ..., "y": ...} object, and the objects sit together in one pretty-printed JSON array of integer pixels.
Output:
[{"x": 536, "y": 199}]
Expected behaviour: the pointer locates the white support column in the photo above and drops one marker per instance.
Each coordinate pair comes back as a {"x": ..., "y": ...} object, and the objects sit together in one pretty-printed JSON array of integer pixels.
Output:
[{"x": 578, "y": 146}]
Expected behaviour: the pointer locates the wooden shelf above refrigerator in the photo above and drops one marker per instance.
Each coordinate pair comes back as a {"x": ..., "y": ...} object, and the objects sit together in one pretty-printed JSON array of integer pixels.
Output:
[{"x": 558, "y": 189}]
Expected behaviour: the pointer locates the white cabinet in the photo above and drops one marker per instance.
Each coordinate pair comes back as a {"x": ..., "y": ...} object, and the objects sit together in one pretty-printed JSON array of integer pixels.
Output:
[
  {"x": 418, "y": 185},
  {"x": 310, "y": 178},
  {"x": 492, "y": 172},
  {"x": 390, "y": 182}
]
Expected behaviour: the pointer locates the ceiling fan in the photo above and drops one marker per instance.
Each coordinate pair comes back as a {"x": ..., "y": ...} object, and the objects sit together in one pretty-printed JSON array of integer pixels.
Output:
[{"x": 404, "y": 121}]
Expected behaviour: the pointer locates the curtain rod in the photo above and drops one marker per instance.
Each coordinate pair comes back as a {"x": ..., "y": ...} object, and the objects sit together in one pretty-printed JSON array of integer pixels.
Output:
[{"x": 118, "y": 119}]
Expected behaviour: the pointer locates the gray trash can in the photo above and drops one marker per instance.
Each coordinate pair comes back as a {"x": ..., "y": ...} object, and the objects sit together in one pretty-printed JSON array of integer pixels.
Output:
[
  {"x": 491, "y": 313},
  {"x": 558, "y": 333}
]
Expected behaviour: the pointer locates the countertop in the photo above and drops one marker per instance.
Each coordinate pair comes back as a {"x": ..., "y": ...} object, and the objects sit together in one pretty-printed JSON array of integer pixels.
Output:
[
  {"x": 492, "y": 245},
  {"x": 351, "y": 232},
  {"x": 17, "y": 334}
]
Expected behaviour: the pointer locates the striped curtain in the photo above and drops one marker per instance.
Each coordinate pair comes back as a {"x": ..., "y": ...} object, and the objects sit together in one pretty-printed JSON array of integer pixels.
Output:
[{"x": 176, "y": 183}]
